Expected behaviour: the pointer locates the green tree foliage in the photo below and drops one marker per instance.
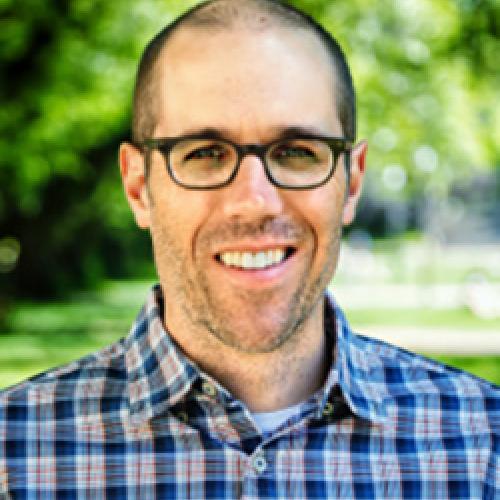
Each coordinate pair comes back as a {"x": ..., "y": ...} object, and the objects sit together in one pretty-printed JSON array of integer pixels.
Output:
[
  {"x": 427, "y": 79},
  {"x": 66, "y": 81}
]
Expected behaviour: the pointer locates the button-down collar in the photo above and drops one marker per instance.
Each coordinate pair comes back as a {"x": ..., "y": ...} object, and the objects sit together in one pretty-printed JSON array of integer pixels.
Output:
[{"x": 160, "y": 375}]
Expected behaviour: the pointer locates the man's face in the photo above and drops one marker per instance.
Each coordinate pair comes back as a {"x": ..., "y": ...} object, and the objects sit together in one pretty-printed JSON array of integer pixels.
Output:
[{"x": 249, "y": 86}]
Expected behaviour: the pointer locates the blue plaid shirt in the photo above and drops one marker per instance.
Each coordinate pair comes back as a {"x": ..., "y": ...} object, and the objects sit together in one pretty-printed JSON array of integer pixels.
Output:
[{"x": 138, "y": 420}]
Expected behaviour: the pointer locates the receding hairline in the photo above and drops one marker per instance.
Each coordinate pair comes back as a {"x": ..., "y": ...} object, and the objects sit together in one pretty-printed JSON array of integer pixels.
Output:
[
  {"x": 253, "y": 14},
  {"x": 231, "y": 16}
]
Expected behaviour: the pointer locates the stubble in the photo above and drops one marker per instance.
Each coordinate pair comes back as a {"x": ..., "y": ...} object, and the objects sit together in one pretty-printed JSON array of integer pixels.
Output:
[{"x": 211, "y": 311}]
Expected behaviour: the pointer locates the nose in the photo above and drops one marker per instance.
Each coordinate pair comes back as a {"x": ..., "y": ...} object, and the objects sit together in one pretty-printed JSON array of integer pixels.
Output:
[{"x": 251, "y": 194}]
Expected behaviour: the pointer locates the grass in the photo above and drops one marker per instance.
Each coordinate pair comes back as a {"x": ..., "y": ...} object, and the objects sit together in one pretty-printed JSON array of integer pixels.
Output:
[
  {"x": 487, "y": 367},
  {"x": 42, "y": 335}
]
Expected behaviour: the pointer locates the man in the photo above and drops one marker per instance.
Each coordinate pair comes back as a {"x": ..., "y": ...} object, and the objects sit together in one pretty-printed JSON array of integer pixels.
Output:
[{"x": 241, "y": 378}]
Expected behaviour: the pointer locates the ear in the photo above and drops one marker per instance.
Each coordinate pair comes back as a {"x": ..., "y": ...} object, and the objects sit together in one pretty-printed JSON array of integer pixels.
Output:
[
  {"x": 358, "y": 166},
  {"x": 132, "y": 169}
]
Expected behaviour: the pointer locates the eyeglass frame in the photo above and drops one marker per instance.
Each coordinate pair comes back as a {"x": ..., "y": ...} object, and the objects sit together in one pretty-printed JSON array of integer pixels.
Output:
[{"x": 165, "y": 144}]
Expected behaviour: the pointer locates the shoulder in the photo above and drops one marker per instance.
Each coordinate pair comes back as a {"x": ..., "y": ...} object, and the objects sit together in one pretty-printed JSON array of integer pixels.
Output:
[
  {"x": 414, "y": 384},
  {"x": 87, "y": 386},
  {"x": 403, "y": 366}
]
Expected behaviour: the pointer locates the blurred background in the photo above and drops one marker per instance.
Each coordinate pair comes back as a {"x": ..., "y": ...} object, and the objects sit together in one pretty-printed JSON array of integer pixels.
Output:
[{"x": 421, "y": 264}]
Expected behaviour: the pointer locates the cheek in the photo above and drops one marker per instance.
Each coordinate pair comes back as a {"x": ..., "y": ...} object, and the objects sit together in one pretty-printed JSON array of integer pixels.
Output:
[
  {"x": 323, "y": 209},
  {"x": 177, "y": 216}
]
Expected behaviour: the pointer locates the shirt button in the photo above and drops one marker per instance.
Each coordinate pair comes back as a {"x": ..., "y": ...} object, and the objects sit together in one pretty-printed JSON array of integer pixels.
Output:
[
  {"x": 208, "y": 389},
  {"x": 183, "y": 417},
  {"x": 259, "y": 463},
  {"x": 328, "y": 409}
]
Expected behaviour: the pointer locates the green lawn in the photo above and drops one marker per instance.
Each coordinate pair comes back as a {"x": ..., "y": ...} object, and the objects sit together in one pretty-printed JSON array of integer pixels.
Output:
[{"x": 40, "y": 336}]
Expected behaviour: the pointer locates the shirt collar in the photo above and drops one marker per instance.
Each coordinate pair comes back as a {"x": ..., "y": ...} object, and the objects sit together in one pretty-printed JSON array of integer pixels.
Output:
[
  {"x": 160, "y": 375},
  {"x": 359, "y": 370}
]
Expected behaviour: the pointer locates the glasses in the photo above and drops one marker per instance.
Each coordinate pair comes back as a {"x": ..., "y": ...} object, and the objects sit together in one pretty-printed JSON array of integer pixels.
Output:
[{"x": 204, "y": 162}]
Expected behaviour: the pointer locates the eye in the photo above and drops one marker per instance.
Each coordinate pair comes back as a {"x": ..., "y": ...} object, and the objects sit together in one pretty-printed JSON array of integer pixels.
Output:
[
  {"x": 211, "y": 152},
  {"x": 291, "y": 151}
]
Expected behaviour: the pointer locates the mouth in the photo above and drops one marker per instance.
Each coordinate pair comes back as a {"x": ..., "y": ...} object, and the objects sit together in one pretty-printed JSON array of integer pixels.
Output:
[{"x": 255, "y": 260}]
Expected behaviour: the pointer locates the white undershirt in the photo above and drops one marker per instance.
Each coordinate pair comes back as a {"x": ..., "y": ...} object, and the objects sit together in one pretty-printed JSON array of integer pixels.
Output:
[{"x": 268, "y": 422}]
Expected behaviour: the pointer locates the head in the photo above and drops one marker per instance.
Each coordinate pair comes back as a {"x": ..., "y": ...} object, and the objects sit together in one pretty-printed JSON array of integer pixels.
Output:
[
  {"x": 245, "y": 265},
  {"x": 256, "y": 15}
]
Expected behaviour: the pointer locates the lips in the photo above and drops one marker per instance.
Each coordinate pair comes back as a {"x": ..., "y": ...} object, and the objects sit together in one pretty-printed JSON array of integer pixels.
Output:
[{"x": 251, "y": 260}]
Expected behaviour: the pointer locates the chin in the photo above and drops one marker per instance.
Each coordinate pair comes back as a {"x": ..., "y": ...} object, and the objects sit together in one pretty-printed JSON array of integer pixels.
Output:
[{"x": 261, "y": 338}]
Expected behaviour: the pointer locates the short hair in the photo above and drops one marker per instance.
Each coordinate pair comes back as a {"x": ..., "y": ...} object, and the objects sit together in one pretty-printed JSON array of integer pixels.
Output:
[{"x": 224, "y": 15}]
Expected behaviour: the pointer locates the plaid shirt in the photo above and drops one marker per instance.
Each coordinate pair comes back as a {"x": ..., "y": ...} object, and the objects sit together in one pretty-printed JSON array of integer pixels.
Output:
[{"x": 138, "y": 420}]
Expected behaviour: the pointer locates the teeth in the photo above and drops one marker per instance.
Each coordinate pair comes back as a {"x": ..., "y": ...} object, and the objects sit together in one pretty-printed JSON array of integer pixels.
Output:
[
  {"x": 260, "y": 260},
  {"x": 236, "y": 259},
  {"x": 250, "y": 260}
]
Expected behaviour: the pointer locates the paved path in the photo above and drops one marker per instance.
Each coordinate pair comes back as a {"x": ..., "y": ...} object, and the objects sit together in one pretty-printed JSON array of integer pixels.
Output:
[
  {"x": 439, "y": 340},
  {"x": 483, "y": 297}
]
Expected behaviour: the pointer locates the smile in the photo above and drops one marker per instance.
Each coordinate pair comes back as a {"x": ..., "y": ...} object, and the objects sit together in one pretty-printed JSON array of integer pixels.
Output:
[{"x": 255, "y": 260}]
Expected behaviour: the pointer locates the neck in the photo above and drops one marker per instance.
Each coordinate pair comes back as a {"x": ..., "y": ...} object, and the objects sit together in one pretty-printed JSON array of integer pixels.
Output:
[{"x": 263, "y": 381}]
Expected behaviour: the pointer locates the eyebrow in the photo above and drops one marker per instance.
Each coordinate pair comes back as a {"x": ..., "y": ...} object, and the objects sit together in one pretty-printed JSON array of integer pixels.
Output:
[{"x": 277, "y": 132}]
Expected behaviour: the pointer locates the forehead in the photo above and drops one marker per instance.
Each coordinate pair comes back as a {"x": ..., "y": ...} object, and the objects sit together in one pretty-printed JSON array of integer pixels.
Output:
[{"x": 224, "y": 79}]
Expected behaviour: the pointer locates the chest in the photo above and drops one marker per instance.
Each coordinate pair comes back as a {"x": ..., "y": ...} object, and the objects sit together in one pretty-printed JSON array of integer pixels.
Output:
[{"x": 336, "y": 461}]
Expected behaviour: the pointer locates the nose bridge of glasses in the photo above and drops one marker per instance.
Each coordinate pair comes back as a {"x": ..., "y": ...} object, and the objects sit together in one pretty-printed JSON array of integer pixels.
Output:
[
  {"x": 257, "y": 150},
  {"x": 253, "y": 190},
  {"x": 252, "y": 150}
]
